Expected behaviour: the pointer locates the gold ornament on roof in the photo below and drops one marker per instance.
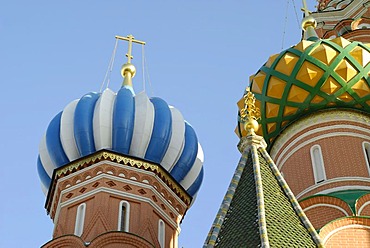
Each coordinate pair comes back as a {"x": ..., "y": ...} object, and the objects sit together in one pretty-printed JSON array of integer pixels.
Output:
[
  {"x": 250, "y": 113},
  {"x": 128, "y": 70},
  {"x": 308, "y": 23}
]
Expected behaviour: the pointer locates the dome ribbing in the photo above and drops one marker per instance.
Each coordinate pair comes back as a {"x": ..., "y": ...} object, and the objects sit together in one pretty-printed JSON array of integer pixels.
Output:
[{"x": 135, "y": 125}]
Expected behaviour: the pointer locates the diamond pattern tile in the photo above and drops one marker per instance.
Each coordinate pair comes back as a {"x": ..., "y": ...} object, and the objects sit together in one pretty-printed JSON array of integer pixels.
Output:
[{"x": 310, "y": 76}]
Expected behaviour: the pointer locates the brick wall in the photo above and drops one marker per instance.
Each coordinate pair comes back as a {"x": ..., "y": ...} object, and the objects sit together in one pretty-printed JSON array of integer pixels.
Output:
[{"x": 349, "y": 237}]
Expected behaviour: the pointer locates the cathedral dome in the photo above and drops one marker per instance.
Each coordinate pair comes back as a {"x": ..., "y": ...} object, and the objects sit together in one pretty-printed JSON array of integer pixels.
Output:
[
  {"x": 308, "y": 77},
  {"x": 134, "y": 125}
]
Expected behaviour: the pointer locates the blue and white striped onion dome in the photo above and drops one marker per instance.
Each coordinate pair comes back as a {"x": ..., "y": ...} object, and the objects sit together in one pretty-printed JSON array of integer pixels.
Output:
[{"x": 126, "y": 123}]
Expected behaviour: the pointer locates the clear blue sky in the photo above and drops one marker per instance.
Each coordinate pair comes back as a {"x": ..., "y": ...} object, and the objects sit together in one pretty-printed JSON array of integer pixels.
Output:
[{"x": 199, "y": 54}]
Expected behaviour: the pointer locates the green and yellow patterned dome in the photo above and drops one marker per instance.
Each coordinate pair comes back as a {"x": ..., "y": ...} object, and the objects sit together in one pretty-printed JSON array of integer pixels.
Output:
[{"x": 311, "y": 76}]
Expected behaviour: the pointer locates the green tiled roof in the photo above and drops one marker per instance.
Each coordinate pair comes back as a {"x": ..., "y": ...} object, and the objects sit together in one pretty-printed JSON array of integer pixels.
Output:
[
  {"x": 238, "y": 221},
  {"x": 259, "y": 210},
  {"x": 350, "y": 196},
  {"x": 284, "y": 226}
]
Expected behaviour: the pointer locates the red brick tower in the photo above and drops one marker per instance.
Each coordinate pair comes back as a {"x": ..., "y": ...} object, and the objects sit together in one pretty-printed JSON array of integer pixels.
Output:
[
  {"x": 119, "y": 169},
  {"x": 110, "y": 200}
]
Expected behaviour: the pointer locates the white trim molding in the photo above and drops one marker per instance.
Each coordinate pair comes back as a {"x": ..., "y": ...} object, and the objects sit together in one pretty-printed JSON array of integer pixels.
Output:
[
  {"x": 362, "y": 207},
  {"x": 297, "y": 145},
  {"x": 334, "y": 180},
  {"x": 119, "y": 178},
  {"x": 326, "y": 205},
  {"x": 123, "y": 195},
  {"x": 356, "y": 187},
  {"x": 327, "y": 116}
]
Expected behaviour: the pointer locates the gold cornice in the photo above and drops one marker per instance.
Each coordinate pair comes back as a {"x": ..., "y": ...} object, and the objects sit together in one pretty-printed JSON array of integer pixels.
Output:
[
  {"x": 104, "y": 155},
  {"x": 121, "y": 159}
]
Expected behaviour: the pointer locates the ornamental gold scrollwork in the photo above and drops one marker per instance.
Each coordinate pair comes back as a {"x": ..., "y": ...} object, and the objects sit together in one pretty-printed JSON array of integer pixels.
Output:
[{"x": 250, "y": 110}]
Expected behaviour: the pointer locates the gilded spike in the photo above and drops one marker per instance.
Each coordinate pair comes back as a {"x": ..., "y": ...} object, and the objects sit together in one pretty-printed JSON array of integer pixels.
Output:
[{"x": 250, "y": 113}]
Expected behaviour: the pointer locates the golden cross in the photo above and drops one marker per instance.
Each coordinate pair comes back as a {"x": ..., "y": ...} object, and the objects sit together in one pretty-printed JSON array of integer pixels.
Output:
[
  {"x": 130, "y": 39},
  {"x": 305, "y": 9}
]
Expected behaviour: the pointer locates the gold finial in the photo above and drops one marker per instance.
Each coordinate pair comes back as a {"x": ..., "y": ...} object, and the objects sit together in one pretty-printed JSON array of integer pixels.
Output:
[
  {"x": 250, "y": 113},
  {"x": 308, "y": 23},
  {"x": 128, "y": 70}
]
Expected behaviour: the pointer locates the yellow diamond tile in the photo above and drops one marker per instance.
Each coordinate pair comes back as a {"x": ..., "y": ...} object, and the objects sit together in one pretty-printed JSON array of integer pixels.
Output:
[
  {"x": 345, "y": 97},
  {"x": 271, "y": 127},
  {"x": 361, "y": 55},
  {"x": 243, "y": 132},
  {"x": 361, "y": 88},
  {"x": 276, "y": 87},
  {"x": 331, "y": 104},
  {"x": 345, "y": 70},
  {"x": 330, "y": 86},
  {"x": 236, "y": 131},
  {"x": 258, "y": 104},
  {"x": 240, "y": 103},
  {"x": 251, "y": 79},
  {"x": 284, "y": 123},
  {"x": 271, "y": 60},
  {"x": 286, "y": 63},
  {"x": 301, "y": 46},
  {"x": 309, "y": 74},
  {"x": 272, "y": 110},
  {"x": 368, "y": 102},
  {"x": 358, "y": 106},
  {"x": 341, "y": 41},
  {"x": 324, "y": 53},
  {"x": 289, "y": 110},
  {"x": 317, "y": 99},
  {"x": 297, "y": 94},
  {"x": 258, "y": 81},
  {"x": 259, "y": 131}
]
